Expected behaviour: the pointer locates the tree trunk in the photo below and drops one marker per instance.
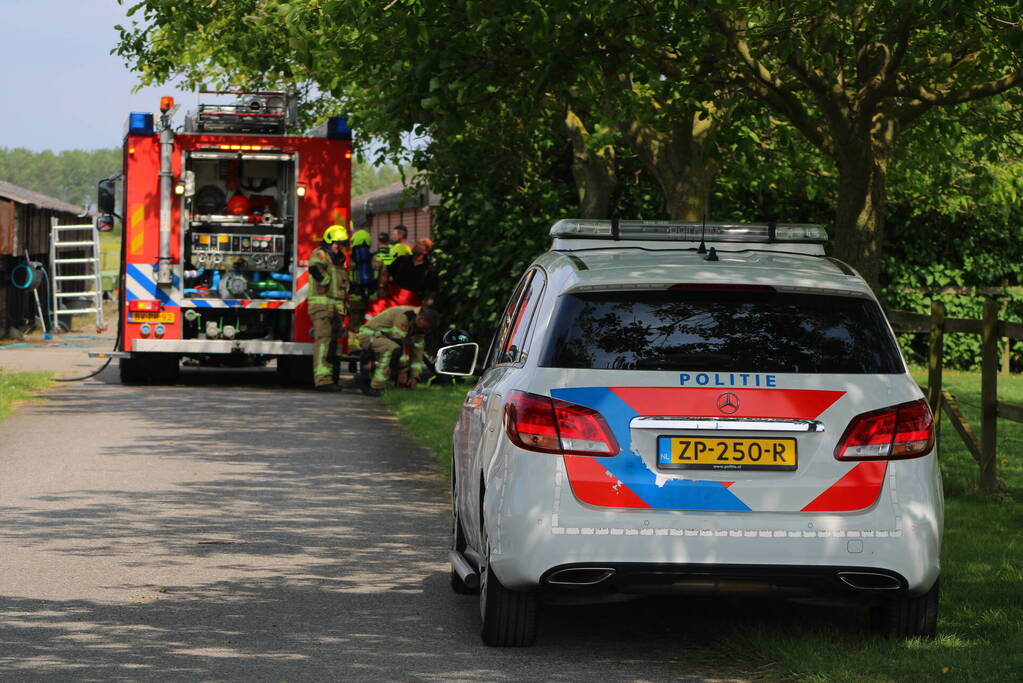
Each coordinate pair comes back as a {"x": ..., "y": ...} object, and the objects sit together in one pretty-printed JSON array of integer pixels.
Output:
[
  {"x": 594, "y": 170},
  {"x": 687, "y": 191},
  {"x": 859, "y": 223},
  {"x": 677, "y": 160}
]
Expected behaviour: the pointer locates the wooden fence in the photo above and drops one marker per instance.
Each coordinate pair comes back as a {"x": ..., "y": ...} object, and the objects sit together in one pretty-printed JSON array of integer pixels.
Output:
[{"x": 991, "y": 330}]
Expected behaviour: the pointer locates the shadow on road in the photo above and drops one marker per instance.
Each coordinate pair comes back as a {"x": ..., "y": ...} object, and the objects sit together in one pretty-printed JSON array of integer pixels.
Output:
[{"x": 282, "y": 536}]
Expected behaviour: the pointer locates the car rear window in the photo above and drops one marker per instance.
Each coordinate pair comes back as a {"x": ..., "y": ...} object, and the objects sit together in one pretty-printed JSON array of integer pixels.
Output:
[{"x": 721, "y": 330}]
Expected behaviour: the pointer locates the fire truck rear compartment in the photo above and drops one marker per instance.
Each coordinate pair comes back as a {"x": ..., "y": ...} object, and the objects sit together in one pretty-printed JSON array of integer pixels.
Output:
[
  {"x": 238, "y": 232},
  {"x": 238, "y": 323}
]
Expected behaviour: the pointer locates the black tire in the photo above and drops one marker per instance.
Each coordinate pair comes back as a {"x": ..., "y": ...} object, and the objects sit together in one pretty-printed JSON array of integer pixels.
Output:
[
  {"x": 907, "y": 616},
  {"x": 150, "y": 369},
  {"x": 132, "y": 372},
  {"x": 296, "y": 369},
  {"x": 509, "y": 617},
  {"x": 167, "y": 370}
]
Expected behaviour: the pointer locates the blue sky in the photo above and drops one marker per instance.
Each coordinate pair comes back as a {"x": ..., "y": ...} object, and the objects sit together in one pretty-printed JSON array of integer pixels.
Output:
[{"x": 59, "y": 86}]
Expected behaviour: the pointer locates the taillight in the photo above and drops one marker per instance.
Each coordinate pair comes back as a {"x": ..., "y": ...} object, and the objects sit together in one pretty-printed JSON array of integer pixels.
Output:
[
  {"x": 892, "y": 433},
  {"x": 547, "y": 425}
]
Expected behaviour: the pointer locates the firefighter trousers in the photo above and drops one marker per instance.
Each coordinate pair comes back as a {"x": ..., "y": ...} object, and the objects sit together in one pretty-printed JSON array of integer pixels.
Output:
[
  {"x": 389, "y": 355},
  {"x": 328, "y": 325}
]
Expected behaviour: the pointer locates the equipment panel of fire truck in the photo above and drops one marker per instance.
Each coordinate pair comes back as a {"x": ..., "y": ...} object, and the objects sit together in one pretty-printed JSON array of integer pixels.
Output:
[{"x": 219, "y": 220}]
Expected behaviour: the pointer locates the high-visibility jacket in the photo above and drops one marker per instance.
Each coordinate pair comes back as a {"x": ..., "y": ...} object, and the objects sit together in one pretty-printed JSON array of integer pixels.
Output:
[
  {"x": 398, "y": 324},
  {"x": 397, "y": 249},
  {"x": 332, "y": 289}
]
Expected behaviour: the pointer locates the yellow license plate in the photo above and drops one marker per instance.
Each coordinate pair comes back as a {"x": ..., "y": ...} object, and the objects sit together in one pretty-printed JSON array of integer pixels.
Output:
[
  {"x": 150, "y": 316},
  {"x": 725, "y": 453}
]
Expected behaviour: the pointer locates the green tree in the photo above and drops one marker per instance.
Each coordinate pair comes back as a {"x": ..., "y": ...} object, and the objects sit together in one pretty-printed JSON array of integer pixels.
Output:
[
  {"x": 69, "y": 175},
  {"x": 601, "y": 76},
  {"x": 853, "y": 76}
]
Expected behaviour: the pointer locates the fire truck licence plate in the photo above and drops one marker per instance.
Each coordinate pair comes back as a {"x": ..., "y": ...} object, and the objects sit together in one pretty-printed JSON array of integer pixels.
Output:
[
  {"x": 725, "y": 453},
  {"x": 151, "y": 316}
]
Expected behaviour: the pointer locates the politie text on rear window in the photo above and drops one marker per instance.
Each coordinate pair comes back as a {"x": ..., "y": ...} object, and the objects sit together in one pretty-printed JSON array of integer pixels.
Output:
[{"x": 719, "y": 330}]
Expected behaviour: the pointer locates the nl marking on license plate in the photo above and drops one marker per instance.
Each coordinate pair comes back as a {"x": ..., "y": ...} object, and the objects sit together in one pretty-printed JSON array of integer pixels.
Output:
[
  {"x": 151, "y": 316},
  {"x": 725, "y": 453}
]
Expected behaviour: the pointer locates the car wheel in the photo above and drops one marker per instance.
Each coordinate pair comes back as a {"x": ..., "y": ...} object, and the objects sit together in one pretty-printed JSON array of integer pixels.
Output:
[
  {"x": 509, "y": 617},
  {"x": 908, "y": 617},
  {"x": 131, "y": 373}
]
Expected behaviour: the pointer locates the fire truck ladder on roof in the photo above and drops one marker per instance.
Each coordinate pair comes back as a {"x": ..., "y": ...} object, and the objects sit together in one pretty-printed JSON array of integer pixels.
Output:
[{"x": 77, "y": 286}]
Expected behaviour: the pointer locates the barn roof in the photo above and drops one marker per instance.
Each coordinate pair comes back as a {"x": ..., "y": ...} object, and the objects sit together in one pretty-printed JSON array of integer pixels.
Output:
[{"x": 22, "y": 196}]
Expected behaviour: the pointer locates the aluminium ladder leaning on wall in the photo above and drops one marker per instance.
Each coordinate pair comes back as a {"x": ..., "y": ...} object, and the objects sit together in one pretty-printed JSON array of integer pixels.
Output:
[{"x": 75, "y": 272}]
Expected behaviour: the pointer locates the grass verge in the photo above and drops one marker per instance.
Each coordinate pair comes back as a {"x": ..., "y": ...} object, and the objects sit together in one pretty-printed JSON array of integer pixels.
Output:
[
  {"x": 980, "y": 625},
  {"x": 429, "y": 413},
  {"x": 15, "y": 386}
]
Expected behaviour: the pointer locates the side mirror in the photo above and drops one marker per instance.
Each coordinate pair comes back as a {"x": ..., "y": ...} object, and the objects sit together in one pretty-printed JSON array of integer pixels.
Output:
[
  {"x": 105, "y": 201},
  {"x": 459, "y": 359},
  {"x": 105, "y": 222}
]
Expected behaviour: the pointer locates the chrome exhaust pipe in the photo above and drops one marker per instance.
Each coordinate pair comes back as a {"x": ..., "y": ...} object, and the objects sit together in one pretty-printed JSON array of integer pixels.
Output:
[
  {"x": 580, "y": 576},
  {"x": 464, "y": 570},
  {"x": 869, "y": 581}
]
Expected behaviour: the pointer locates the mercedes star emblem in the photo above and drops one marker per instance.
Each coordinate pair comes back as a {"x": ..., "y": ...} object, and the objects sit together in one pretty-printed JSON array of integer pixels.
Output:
[{"x": 728, "y": 403}]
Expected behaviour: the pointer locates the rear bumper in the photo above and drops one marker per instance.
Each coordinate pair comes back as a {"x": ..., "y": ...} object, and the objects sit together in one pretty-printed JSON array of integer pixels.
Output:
[
  {"x": 222, "y": 346},
  {"x": 537, "y": 526},
  {"x": 638, "y": 578}
]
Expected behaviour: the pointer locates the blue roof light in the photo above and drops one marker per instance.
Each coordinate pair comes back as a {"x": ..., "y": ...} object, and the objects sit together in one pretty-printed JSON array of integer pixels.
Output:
[
  {"x": 140, "y": 123},
  {"x": 338, "y": 128}
]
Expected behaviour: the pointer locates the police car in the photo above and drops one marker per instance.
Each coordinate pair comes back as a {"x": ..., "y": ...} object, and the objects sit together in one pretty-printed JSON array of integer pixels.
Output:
[{"x": 687, "y": 408}]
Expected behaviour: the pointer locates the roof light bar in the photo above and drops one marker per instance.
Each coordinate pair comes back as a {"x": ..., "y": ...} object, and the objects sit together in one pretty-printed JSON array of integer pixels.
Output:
[{"x": 571, "y": 228}]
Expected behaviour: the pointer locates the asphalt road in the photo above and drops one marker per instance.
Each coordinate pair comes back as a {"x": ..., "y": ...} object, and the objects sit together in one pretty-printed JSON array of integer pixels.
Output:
[{"x": 230, "y": 528}]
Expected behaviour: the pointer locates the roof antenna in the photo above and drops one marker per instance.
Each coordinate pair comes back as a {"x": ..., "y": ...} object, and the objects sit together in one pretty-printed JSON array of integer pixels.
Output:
[{"x": 702, "y": 249}]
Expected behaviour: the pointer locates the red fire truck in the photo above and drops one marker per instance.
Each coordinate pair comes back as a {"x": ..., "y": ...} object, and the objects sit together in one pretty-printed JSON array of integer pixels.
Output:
[{"x": 219, "y": 220}]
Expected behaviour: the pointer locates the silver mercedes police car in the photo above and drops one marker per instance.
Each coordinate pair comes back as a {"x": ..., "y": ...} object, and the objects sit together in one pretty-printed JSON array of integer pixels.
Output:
[{"x": 683, "y": 408}]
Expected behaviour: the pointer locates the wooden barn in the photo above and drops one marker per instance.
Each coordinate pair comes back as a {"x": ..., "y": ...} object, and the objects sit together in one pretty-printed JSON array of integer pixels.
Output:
[
  {"x": 396, "y": 204},
  {"x": 25, "y": 220}
]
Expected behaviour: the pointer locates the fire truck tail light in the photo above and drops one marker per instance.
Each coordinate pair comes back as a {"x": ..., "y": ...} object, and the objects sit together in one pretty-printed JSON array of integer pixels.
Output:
[
  {"x": 144, "y": 305},
  {"x": 348, "y": 154}
]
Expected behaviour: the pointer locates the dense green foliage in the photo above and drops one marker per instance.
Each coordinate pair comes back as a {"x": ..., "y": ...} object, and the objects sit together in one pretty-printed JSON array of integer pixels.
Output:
[
  {"x": 69, "y": 175},
  {"x": 677, "y": 86},
  {"x": 529, "y": 111}
]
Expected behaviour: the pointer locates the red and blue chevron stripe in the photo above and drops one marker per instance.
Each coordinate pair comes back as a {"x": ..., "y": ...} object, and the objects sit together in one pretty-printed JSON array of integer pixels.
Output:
[{"x": 626, "y": 481}]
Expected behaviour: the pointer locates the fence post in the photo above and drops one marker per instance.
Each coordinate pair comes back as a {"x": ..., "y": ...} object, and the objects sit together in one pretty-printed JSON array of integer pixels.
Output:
[
  {"x": 1007, "y": 350},
  {"x": 989, "y": 399},
  {"x": 935, "y": 362}
]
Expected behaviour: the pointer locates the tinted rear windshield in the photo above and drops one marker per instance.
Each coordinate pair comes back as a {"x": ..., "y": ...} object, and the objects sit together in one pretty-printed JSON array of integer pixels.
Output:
[{"x": 734, "y": 331}]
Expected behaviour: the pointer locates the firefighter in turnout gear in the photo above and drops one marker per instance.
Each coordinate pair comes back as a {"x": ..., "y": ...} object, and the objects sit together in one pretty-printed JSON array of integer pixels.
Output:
[
  {"x": 390, "y": 335},
  {"x": 328, "y": 303}
]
